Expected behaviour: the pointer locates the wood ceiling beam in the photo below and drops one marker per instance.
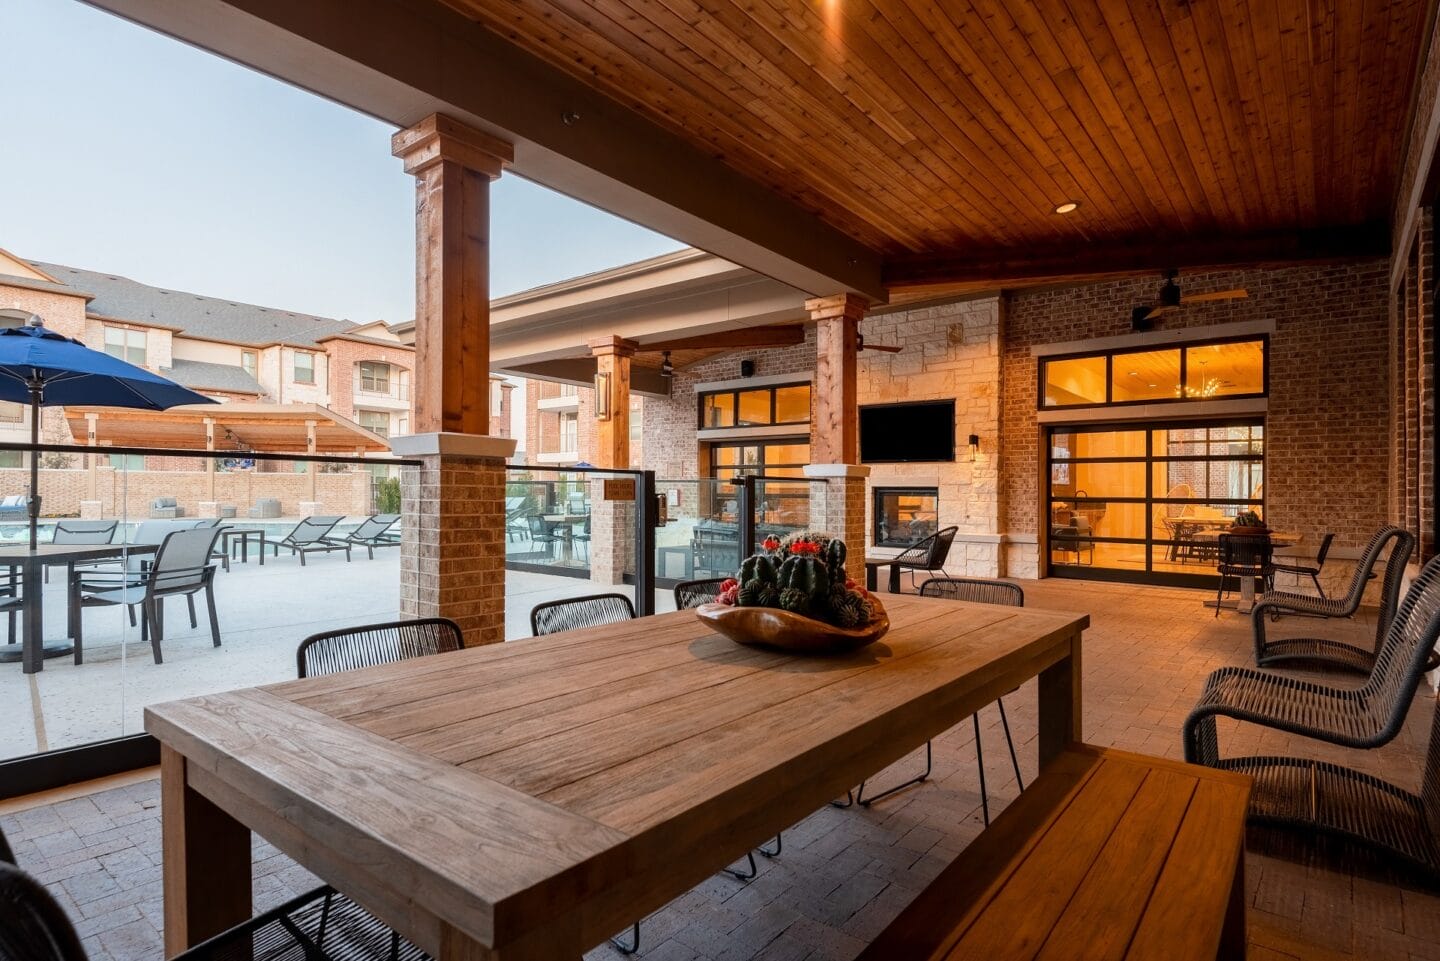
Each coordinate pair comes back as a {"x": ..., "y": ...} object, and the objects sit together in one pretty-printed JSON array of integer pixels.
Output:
[
  {"x": 401, "y": 62},
  {"x": 999, "y": 269},
  {"x": 778, "y": 335},
  {"x": 580, "y": 371}
]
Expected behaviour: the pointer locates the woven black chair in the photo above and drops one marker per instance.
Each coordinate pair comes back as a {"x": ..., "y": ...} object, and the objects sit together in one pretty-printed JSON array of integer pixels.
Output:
[
  {"x": 1311, "y": 571},
  {"x": 571, "y": 613},
  {"x": 690, "y": 594},
  {"x": 321, "y": 925},
  {"x": 1363, "y": 717},
  {"x": 978, "y": 591},
  {"x": 1272, "y": 653},
  {"x": 1242, "y": 556},
  {"x": 372, "y": 644},
  {"x": 928, "y": 555}
]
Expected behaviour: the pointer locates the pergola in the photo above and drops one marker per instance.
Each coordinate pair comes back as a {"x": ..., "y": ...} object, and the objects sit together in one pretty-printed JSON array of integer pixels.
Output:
[{"x": 862, "y": 152}]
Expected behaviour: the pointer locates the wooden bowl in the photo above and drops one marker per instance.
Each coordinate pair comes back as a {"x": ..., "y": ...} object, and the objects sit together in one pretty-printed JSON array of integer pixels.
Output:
[{"x": 771, "y": 627}]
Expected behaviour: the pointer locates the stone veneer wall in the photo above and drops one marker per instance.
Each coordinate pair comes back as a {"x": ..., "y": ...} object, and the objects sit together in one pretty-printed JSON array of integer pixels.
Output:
[{"x": 1328, "y": 424}]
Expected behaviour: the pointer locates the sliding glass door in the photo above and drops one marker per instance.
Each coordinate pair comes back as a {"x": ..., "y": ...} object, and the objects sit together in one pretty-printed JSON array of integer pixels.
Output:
[{"x": 1145, "y": 502}]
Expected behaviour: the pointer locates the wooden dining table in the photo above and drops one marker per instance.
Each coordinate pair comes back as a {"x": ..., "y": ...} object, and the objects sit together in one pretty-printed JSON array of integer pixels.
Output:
[{"x": 527, "y": 800}]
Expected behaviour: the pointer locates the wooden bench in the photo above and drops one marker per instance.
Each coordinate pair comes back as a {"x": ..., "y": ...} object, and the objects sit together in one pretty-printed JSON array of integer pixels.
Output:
[{"x": 1106, "y": 855}]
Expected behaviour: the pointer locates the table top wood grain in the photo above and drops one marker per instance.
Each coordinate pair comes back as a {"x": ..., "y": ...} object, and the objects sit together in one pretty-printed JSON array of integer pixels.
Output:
[{"x": 585, "y": 778}]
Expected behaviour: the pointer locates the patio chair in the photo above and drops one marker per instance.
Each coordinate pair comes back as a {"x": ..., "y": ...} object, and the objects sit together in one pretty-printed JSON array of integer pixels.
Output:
[
  {"x": 516, "y": 527},
  {"x": 690, "y": 594},
  {"x": 928, "y": 555},
  {"x": 80, "y": 532},
  {"x": 12, "y": 602},
  {"x": 1241, "y": 556},
  {"x": 1272, "y": 653},
  {"x": 1311, "y": 571},
  {"x": 371, "y": 644},
  {"x": 311, "y": 536},
  {"x": 1363, "y": 717},
  {"x": 14, "y": 507},
  {"x": 166, "y": 507},
  {"x": 322, "y": 925},
  {"x": 1320, "y": 796},
  {"x": 182, "y": 567},
  {"x": 373, "y": 532},
  {"x": 1074, "y": 538},
  {"x": 975, "y": 590},
  {"x": 582, "y": 536}
]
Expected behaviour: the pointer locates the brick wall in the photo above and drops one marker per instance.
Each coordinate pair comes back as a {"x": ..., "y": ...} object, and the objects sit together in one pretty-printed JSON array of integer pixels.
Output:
[
  {"x": 1328, "y": 424},
  {"x": 1412, "y": 398},
  {"x": 344, "y": 355}
]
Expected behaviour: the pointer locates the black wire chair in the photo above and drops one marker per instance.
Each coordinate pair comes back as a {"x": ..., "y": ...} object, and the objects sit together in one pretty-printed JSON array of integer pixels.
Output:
[
  {"x": 1363, "y": 717},
  {"x": 572, "y": 613},
  {"x": 1242, "y": 556},
  {"x": 978, "y": 591},
  {"x": 1270, "y": 653},
  {"x": 372, "y": 644},
  {"x": 1311, "y": 571},
  {"x": 690, "y": 594},
  {"x": 321, "y": 925},
  {"x": 928, "y": 555}
]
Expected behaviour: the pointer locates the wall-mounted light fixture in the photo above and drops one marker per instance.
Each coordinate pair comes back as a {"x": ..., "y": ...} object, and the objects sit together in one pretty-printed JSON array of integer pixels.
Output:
[
  {"x": 974, "y": 445},
  {"x": 602, "y": 396},
  {"x": 667, "y": 369}
]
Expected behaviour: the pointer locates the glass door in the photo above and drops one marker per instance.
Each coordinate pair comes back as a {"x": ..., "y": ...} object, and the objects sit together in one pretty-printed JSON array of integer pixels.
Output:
[{"x": 1146, "y": 502}]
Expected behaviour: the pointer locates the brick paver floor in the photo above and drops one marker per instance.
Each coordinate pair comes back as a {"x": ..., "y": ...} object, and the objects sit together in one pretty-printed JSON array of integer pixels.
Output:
[{"x": 845, "y": 873}]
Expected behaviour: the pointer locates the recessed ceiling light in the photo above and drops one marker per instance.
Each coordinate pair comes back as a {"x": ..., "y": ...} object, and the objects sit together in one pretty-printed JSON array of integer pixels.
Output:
[
  {"x": 1069, "y": 206},
  {"x": 1134, "y": 373}
]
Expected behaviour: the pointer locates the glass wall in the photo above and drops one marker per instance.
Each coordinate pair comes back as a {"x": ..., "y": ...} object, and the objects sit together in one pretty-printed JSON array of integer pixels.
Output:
[
  {"x": 1188, "y": 372},
  {"x": 1147, "y": 502}
]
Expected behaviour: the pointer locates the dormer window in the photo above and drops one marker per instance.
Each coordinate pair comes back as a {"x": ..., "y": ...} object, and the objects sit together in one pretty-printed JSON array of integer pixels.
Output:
[
  {"x": 126, "y": 344},
  {"x": 304, "y": 367}
]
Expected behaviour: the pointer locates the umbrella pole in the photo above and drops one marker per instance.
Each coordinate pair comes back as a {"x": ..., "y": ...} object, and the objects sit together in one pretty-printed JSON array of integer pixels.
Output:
[{"x": 36, "y": 398}]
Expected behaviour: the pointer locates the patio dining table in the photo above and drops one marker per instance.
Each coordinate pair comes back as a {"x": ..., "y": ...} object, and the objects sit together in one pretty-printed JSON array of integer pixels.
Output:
[
  {"x": 527, "y": 800},
  {"x": 34, "y": 649},
  {"x": 1246, "y": 602}
]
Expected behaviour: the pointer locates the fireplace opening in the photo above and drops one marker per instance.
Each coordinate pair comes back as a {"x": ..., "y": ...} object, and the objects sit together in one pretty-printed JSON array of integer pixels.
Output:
[{"x": 904, "y": 516}]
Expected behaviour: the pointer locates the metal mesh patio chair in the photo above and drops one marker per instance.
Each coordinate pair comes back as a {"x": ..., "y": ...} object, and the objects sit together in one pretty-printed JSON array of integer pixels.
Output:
[
  {"x": 354, "y": 647},
  {"x": 978, "y": 591},
  {"x": 319, "y": 926},
  {"x": 1311, "y": 571},
  {"x": 70, "y": 531},
  {"x": 182, "y": 567},
  {"x": 1320, "y": 796},
  {"x": 312, "y": 535},
  {"x": 571, "y": 613},
  {"x": 1242, "y": 556},
  {"x": 1363, "y": 717},
  {"x": 690, "y": 594},
  {"x": 1272, "y": 653},
  {"x": 928, "y": 555},
  {"x": 372, "y": 532}
]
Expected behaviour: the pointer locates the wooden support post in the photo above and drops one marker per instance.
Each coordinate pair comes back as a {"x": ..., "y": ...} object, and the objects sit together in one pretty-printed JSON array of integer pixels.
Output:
[
  {"x": 210, "y": 461},
  {"x": 836, "y": 415},
  {"x": 453, "y": 165},
  {"x": 612, "y": 378},
  {"x": 312, "y": 468},
  {"x": 92, "y": 428}
]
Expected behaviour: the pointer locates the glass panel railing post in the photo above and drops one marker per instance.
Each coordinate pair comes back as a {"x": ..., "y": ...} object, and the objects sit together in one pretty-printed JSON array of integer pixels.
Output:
[
  {"x": 647, "y": 519},
  {"x": 747, "y": 517}
]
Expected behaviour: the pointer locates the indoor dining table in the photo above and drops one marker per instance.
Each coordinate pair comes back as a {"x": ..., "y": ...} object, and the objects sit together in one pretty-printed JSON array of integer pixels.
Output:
[
  {"x": 34, "y": 649},
  {"x": 527, "y": 800}
]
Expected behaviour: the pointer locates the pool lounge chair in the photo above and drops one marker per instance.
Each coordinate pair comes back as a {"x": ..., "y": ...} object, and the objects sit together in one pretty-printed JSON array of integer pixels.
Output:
[
  {"x": 375, "y": 531},
  {"x": 312, "y": 535}
]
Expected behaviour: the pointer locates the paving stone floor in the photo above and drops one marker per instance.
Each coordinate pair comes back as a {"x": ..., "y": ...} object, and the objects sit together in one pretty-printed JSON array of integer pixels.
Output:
[{"x": 845, "y": 873}]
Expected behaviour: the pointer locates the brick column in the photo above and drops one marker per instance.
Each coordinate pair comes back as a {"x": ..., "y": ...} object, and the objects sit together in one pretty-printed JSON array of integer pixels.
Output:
[
  {"x": 452, "y": 548},
  {"x": 837, "y": 507},
  {"x": 837, "y": 489}
]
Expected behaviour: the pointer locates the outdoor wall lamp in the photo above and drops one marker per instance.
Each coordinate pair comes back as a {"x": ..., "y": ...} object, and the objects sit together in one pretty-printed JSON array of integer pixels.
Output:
[
  {"x": 602, "y": 395},
  {"x": 974, "y": 445}
]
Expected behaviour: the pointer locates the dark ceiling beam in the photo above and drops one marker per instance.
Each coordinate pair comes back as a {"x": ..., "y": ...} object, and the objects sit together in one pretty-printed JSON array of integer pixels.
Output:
[
  {"x": 401, "y": 61},
  {"x": 778, "y": 335},
  {"x": 1027, "y": 267}
]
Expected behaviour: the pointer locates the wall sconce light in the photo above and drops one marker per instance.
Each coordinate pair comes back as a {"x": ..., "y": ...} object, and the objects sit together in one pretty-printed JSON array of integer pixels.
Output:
[
  {"x": 974, "y": 445},
  {"x": 602, "y": 396}
]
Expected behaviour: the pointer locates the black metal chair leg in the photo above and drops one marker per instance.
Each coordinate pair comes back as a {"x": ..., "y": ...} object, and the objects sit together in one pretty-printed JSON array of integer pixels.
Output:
[
  {"x": 634, "y": 944},
  {"x": 863, "y": 801},
  {"x": 190, "y": 603},
  {"x": 744, "y": 875},
  {"x": 849, "y": 798},
  {"x": 980, "y": 765},
  {"x": 779, "y": 846},
  {"x": 214, "y": 618},
  {"x": 1005, "y": 723}
]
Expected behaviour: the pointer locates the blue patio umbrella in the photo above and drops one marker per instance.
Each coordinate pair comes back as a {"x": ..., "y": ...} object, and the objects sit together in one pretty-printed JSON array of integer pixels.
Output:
[{"x": 43, "y": 368}]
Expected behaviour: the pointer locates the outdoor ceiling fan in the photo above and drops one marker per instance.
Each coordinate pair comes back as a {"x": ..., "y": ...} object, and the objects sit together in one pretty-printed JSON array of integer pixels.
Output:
[
  {"x": 1144, "y": 316},
  {"x": 772, "y": 335},
  {"x": 888, "y": 348}
]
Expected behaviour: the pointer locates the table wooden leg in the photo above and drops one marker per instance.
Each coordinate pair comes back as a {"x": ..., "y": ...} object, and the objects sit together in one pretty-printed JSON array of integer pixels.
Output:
[
  {"x": 552, "y": 943},
  {"x": 1060, "y": 721},
  {"x": 207, "y": 861},
  {"x": 1234, "y": 936}
]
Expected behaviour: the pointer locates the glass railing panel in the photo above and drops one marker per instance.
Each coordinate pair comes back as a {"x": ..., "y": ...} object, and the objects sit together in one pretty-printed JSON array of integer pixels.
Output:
[{"x": 782, "y": 506}]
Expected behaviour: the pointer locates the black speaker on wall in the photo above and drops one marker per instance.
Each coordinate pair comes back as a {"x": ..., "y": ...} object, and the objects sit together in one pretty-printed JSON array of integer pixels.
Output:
[{"x": 747, "y": 368}]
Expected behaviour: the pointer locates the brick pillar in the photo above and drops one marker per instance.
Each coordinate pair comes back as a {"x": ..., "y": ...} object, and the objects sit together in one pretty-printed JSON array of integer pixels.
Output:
[
  {"x": 837, "y": 489},
  {"x": 452, "y": 550},
  {"x": 612, "y": 537},
  {"x": 837, "y": 507}
]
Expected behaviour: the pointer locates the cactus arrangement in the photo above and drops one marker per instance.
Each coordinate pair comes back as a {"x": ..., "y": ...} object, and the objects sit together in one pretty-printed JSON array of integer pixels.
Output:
[
  {"x": 803, "y": 574},
  {"x": 1247, "y": 519}
]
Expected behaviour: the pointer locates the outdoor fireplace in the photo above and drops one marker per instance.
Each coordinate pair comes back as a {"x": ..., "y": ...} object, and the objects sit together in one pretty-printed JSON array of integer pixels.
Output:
[{"x": 904, "y": 515}]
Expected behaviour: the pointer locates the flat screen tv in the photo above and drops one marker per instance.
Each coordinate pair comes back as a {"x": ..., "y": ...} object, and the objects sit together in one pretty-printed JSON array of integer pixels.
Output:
[{"x": 907, "y": 433}]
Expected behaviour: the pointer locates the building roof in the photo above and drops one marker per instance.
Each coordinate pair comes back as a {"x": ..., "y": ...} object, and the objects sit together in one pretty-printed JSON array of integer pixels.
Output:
[
  {"x": 208, "y": 318},
  {"x": 206, "y": 376}
]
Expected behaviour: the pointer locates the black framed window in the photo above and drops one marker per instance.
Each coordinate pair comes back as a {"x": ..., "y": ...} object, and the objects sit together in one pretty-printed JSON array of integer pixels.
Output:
[
  {"x": 1170, "y": 373},
  {"x": 755, "y": 406},
  {"x": 773, "y": 458}
]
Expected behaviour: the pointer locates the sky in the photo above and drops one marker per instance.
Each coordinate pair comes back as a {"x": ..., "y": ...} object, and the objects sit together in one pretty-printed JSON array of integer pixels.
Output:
[{"x": 127, "y": 152}]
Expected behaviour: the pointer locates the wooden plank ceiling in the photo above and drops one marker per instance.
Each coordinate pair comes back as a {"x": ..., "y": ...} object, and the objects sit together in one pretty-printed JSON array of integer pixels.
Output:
[{"x": 941, "y": 130}]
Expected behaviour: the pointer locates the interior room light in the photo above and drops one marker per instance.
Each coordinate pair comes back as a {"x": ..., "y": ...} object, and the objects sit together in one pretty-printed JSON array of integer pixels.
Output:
[{"x": 1068, "y": 207}]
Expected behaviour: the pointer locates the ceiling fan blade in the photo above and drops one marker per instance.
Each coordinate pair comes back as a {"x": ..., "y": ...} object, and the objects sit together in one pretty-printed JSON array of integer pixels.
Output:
[
  {"x": 1214, "y": 295},
  {"x": 889, "y": 349}
]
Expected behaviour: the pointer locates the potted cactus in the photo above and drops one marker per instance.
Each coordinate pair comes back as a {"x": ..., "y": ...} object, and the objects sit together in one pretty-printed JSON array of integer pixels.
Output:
[
  {"x": 795, "y": 594},
  {"x": 1248, "y": 522}
]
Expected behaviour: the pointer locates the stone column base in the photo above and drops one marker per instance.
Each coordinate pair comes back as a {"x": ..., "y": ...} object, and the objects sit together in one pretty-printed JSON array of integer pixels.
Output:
[
  {"x": 837, "y": 507},
  {"x": 91, "y": 510},
  {"x": 452, "y": 545},
  {"x": 307, "y": 508},
  {"x": 208, "y": 509}
]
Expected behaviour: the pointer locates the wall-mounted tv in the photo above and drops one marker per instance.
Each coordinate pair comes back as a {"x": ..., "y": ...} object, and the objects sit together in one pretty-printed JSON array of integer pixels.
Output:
[{"x": 907, "y": 433}]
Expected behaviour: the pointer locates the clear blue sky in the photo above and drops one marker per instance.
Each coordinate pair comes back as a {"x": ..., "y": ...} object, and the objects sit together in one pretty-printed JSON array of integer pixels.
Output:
[{"x": 127, "y": 152}]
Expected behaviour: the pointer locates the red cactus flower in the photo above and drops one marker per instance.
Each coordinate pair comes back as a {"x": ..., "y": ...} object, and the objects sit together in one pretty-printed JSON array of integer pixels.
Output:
[
  {"x": 728, "y": 597},
  {"x": 771, "y": 544},
  {"x": 729, "y": 584}
]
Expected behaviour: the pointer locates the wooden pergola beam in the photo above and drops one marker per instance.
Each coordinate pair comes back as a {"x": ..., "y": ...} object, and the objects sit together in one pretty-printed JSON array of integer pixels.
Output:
[{"x": 774, "y": 335}]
